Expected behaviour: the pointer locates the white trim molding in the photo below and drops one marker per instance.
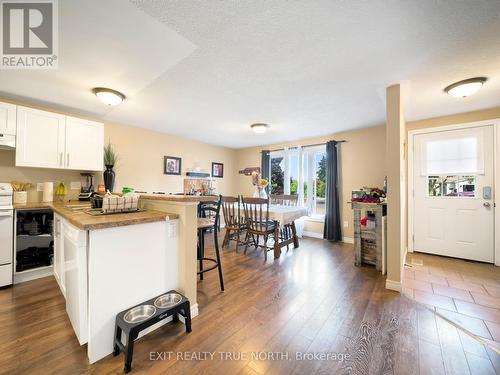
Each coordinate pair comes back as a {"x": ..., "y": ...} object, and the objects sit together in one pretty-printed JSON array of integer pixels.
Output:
[
  {"x": 194, "y": 310},
  {"x": 412, "y": 133},
  {"x": 348, "y": 239},
  {"x": 312, "y": 234},
  {"x": 393, "y": 285}
]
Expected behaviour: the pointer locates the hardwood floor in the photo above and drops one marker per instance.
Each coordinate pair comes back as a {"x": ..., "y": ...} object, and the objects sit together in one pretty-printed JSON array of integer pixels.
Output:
[{"x": 311, "y": 300}]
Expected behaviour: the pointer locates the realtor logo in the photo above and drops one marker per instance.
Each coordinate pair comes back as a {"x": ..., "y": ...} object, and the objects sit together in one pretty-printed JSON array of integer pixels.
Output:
[{"x": 29, "y": 34}]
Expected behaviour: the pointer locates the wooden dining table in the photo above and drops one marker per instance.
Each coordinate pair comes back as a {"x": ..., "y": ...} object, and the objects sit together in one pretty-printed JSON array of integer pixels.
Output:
[{"x": 283, "y": 215}]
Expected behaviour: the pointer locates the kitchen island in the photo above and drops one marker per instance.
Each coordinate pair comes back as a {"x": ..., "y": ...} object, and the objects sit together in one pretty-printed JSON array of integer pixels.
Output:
[
  {"x": 105, "y": 264},
  {"x": 185, "y": 206}
]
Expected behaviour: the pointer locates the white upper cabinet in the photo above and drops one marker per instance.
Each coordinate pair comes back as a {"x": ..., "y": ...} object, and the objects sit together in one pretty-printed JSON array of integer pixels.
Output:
[
  {"x": 40, "y": 138},
  {"x": 51, "y": 140},
  {"x": 84, "y": 144},
  {"x": 7, "y": 119}
]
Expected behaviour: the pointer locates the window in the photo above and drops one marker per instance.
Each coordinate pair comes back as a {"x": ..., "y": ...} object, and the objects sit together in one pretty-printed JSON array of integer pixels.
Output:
[
  {"x": 301, "y": 171},
  {"x": 452, "y": 186},
  {"x": 277, "y": 174},
  {"x": 453, "y": 155}
]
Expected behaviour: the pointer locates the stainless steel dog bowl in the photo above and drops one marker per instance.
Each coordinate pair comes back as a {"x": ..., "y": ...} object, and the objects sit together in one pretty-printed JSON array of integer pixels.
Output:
[
  {"x": 168, "y": 300},
  {"x": 139, "y": 314}
]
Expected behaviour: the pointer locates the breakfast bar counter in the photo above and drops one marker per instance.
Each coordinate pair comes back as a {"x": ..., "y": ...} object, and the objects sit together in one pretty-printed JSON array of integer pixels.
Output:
[{"x": 85, "y": 221}]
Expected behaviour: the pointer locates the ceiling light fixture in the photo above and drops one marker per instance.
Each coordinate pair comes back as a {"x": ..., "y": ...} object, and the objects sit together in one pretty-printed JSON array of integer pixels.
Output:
[
  {"x": 259, "y": 128},
  {"x": 108, "y": 96},
  {"x": 465, "y": 88}
]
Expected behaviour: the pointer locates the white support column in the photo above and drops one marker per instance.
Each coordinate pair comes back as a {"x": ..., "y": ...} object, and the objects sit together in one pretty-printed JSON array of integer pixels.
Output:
[{"x": 396, "y": 187}]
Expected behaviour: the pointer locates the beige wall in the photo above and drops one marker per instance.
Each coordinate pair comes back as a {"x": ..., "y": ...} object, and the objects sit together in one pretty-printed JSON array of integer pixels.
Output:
[
  {"x": 9, "y": 172},
  {"x": 141, "y": 154},
  {"x": 362, "y": 160},
  {"x": 140, "y": 163}
]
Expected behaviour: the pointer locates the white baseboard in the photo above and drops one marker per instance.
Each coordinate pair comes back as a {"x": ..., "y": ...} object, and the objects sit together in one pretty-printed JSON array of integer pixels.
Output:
[
  {"x": 312, "y": 234},
  {"x": 194, "y": 310},
  {"x": 320, "y": 235},
  {"x": 393, "y": 285},
  {"x": 348, "y": 240}
]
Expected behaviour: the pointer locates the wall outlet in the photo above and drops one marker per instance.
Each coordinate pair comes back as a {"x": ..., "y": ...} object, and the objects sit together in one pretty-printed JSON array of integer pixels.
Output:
[
  {"x": 39, "y": 186},
  {"x": 75, "y": 185},
  {"x": 346, "y": 224}
]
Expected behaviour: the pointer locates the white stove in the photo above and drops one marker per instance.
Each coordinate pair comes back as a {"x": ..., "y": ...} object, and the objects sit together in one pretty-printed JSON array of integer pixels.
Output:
[
  {"x": 6, "y": 196},
  {"x": 6, "y": 234}
]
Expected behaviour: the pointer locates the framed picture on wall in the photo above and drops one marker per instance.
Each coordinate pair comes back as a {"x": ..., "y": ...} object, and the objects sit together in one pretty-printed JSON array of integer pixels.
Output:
[
  {"x": 217, "y": 170},
  {"x": 172, "y": 165}
]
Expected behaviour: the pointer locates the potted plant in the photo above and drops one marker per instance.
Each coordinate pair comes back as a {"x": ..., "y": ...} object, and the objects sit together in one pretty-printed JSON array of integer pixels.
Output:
[{"x": 110, "y": 159}]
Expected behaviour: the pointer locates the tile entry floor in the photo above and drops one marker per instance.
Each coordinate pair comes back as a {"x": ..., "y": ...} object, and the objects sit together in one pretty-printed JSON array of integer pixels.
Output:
[{"x": 465, "y": 292}]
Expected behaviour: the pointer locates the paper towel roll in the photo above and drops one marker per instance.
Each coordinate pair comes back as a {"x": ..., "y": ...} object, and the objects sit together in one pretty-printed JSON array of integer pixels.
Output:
[{"x": 48, "y": 192}]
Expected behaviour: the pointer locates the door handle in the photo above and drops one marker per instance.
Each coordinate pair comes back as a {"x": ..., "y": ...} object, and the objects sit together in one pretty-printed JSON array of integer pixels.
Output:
[
  {"x": 67, "y": 159},
  {"x": 5, "y": 212},
  {"x": 486, "y": 204},
  {"x": 60, "y": 159}
]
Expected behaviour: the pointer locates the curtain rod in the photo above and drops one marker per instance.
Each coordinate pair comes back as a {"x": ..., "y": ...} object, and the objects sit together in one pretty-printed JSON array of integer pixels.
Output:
[{"x": 296, "y": 147}]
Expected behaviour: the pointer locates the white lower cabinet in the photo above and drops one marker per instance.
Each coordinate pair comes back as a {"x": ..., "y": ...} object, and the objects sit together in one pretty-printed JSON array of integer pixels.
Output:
[
  {"x": 75, "y": 278},
  {"x": 59, "y": 253}
]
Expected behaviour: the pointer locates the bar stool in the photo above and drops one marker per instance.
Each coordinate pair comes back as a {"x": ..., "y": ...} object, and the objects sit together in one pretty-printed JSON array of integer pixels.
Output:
[{"x": 209, "y": 216}]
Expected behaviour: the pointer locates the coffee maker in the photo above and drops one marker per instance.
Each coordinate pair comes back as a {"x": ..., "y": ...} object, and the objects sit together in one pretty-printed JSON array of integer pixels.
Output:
[{"x": 87, "y": 186}]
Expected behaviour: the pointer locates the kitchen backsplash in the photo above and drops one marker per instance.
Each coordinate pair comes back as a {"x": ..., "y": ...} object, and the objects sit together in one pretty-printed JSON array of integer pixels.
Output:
[{"x": 9, "y": 172}]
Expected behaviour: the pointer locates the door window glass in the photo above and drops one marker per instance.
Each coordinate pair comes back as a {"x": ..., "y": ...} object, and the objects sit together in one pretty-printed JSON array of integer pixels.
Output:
[{"x": 452, "y": 186}]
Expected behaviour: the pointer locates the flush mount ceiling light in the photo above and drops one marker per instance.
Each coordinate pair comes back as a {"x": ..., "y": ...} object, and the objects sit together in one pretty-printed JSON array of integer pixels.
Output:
[
  {"x": 108, "y": 96},
  {"x": 465, "y": 88},
  {"x": 259, "y": 128}
]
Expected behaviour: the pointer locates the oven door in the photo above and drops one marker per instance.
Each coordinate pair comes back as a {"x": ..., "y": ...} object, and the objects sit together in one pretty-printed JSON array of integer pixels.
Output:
[
  {"x": 5, "y": 200},
  {"x": 6, "y": 236}
]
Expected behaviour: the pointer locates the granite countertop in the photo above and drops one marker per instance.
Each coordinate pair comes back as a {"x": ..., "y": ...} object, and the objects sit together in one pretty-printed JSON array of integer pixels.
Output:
[
  {"x": 84, "y": 221},
  {"x": 32, "y": 205},
  {"x": 179, "y": 198}
]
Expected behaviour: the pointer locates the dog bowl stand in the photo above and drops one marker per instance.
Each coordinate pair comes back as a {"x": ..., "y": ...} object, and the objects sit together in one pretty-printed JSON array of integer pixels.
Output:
[{"x": 132, "y": 330}]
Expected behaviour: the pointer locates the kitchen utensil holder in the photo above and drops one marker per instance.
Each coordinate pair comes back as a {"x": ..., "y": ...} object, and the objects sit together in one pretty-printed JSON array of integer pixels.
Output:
[
  {"x": 132, "y": 330},
  {"x": 20, "y": 197}
]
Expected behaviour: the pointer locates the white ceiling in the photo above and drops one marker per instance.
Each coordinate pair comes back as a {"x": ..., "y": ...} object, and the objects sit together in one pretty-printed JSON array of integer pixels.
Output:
[{"x": 208, "y": 69}]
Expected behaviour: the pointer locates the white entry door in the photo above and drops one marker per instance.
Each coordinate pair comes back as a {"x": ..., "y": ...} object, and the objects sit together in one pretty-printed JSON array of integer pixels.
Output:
[{"x": 453, "y": 176}]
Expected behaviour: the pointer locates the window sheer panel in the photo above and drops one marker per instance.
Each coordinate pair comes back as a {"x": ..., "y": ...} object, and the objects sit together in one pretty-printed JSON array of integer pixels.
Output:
[{"x": 458, "y": 155}]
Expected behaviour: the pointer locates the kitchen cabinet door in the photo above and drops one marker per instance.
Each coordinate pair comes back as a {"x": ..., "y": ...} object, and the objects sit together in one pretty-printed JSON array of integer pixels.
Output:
[
  {"x": 75, "y": 274},
  {"x": 40, "y": 138},
  {"x": 7, "y": 119},
  {"x": 84, "y": 144},
  {"x": 59, "y": 253}
]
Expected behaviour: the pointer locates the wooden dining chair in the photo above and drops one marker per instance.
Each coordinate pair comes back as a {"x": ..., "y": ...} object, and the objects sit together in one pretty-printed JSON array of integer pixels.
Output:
[
  {"x": 234, "y": 220},
  {"x": 290, "y": 199},
  {"x": 258, "y": 223},
  {"x": 286, "y": 229},
  {"x": 276, "y": 198}
]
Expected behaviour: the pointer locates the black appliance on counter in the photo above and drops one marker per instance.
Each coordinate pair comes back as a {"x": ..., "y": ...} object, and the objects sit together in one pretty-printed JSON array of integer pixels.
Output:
[{"x": 87, "y": 186}]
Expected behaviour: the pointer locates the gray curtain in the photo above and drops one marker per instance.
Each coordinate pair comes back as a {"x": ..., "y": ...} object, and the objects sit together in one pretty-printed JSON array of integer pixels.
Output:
[
  {"x": 333, "y": 229},
  {"x": 264, "y": 167}
]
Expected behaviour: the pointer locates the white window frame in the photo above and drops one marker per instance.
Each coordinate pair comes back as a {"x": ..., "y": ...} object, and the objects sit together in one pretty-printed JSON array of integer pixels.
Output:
[{"x": 304, "y": 155}]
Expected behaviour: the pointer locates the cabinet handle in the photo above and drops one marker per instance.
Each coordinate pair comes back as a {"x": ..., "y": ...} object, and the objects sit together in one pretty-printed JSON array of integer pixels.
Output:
[
  {"x": 60, "y": 159},
  {"x": 67, "y": 159}
]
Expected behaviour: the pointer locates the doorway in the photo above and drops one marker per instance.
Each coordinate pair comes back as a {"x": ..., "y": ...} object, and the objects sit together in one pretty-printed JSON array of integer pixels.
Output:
[{"x": 451, "y": 180}]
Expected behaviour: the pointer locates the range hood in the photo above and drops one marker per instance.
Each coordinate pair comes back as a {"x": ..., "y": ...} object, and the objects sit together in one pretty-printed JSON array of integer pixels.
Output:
[{"x": 7, "y": 142}]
